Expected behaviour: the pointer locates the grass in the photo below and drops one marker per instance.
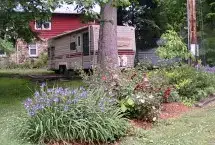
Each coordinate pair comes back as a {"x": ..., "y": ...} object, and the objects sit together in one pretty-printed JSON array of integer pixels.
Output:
[
  {"x": 12, "y": 93},
  {"x": 8, "y": 72},
  {"x": 195, "y": 128}
]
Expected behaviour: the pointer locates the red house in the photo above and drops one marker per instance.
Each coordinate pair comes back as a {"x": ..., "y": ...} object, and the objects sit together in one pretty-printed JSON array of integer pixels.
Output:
[{"x": 59, "y": 23}]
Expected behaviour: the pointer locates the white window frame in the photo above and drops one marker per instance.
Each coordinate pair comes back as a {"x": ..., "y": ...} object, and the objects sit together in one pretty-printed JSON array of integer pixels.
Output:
[
  {"x": 29, "y": 50},
  {"x": 79, "y": 47},
  {"x": 43, "y": 28}
]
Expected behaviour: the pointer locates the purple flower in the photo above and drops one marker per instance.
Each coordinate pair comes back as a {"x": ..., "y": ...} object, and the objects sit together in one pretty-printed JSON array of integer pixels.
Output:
[
  {"x": 75, "y": 100},
  {"x": 56, "y": 100},
  {"x": 36, "y": 94},
  {"x": 69, "y": 102},
  {"x": 28, "y": 103},
  {"x": 31, "y": 113},
  {"x": 74, "y": 92},
  {"x": 83, "y": 94},
  {"x": 43, "y": 85},
  {"x": 66, "y": 108},
  {"x": 101, "y": 106},
  {"x": 49, "y": 90}
]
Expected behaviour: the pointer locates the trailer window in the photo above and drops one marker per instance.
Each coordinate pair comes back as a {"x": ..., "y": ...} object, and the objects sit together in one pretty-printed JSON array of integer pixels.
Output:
[
  {"x": 79, "y": 40},
  {"x": 72, "y": 46}
]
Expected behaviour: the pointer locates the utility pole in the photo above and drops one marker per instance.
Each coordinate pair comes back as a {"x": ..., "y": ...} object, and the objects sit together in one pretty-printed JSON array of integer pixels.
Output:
[{"x": 192, "y": 32}]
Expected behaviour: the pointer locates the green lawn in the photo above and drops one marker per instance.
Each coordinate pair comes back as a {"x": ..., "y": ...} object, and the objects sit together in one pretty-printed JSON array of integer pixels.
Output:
[
  {"x": 194, "y": 128},
  {"x": 12, "y": 93},
  {"x": 9, "y": 72}
]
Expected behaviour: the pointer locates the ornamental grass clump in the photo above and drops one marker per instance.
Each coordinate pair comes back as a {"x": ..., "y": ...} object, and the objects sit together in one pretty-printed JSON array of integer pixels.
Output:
[{"x": 72, "y": 115}]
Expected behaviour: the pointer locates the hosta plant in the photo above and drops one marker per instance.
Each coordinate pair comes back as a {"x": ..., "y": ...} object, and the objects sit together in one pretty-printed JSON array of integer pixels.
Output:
[{"x": 72, "y": 115}]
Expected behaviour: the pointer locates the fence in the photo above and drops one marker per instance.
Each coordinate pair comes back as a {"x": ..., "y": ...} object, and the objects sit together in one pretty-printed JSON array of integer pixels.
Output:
[{"x": 150, "y": 56}]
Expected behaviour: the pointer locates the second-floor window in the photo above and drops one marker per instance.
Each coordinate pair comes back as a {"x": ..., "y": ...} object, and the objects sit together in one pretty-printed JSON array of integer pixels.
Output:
[{"x": 42, "y": 25}]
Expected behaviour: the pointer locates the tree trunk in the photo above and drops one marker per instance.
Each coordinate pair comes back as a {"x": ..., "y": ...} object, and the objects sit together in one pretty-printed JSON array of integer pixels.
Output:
[{"x": 107, "y": 51}]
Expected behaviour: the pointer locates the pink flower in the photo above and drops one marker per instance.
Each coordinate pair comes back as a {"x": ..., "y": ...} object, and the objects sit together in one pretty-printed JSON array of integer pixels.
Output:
[{"x": 104, "y": 78}]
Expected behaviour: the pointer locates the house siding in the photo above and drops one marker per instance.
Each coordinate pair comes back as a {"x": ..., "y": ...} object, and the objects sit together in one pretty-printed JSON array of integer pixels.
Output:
[{"x": 59, "y": 23}]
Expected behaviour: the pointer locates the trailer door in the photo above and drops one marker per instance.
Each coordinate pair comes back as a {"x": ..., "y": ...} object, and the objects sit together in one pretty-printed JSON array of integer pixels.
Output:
[{"x": 86, "y": 52}]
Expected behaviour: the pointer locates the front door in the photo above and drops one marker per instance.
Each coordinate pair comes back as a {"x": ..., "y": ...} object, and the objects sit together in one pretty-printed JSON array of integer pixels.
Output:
[{"x": 86, "y": 51}]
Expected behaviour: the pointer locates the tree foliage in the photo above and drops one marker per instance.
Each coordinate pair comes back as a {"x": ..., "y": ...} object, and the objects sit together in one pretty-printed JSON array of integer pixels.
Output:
[
  {"x": 173, "y": 46},
  {"x": 142, "y": 14},
  {"x": 15, "y": 17}
]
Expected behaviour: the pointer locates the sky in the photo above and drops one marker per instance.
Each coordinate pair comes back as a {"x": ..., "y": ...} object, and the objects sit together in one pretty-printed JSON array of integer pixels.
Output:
[
  {"x": 70, "y": 9},
  {"x": 65, "y": 9}
]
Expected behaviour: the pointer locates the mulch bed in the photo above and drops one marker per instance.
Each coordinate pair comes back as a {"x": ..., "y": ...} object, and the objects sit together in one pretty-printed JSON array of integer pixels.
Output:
[
  {"x": 168, "y": 110},
  {"x": 173, "y": 110}
]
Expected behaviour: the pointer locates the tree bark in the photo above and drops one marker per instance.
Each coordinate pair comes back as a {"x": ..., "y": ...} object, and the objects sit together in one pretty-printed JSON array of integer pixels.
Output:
[{"x": 107, "y": 51}]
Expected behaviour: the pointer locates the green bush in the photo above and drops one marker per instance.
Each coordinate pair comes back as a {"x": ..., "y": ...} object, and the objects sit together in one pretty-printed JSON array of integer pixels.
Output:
[
  {"x": 73, "y": 115},
  {"x": 191, "y": 83},
  {"x": 42, "y": 61},
  {"x": 142, "y": 106}
]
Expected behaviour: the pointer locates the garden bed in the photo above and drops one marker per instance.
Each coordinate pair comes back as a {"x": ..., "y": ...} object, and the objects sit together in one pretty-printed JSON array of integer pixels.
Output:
[{"x": 168, "y": 110}]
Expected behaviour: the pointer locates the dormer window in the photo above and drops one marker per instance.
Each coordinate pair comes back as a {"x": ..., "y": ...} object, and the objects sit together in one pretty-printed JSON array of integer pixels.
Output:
[{"x": 42, "y": 25}]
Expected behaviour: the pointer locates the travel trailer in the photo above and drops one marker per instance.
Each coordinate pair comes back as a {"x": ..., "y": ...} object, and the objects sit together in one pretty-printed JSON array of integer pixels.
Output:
[{"x": 79, "y": 47}]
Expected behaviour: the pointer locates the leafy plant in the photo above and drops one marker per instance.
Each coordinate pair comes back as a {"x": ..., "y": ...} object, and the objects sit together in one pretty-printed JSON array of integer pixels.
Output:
[
  {"x": 173, "y": 46},
  {"x": 190, "y": 82},
  {"x": 42, "y": 61},
  {"x": 67, "y": 115}
]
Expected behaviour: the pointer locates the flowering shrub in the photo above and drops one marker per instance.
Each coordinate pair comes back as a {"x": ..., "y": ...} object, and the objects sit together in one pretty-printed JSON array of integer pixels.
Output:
[
  {"x": 64, "y": 114},
  {"x": 138, "y": 97}
]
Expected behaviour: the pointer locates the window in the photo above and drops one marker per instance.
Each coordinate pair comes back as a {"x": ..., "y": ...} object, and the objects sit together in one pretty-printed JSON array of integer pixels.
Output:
[
  {"x": 42, "y": 25},
  {"x": 79, "y": 40},
  {"x": 72, "y": 46},
  {"x": 52, "y": 52},
  {"x": 33, "y": 50},
  {"x": 2, "y": 53}
]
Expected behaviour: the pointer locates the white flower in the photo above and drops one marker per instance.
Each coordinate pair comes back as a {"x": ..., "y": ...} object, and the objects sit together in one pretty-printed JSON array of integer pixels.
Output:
[
  {"x": 142, "y": 100},
  {"x": 151, "y": 96},
  {"x": 154, "y": 119},
  {"x": 153, "y": 107},
  {"x": 138, "y": 96}
]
